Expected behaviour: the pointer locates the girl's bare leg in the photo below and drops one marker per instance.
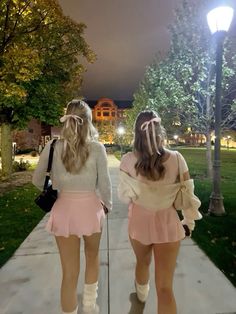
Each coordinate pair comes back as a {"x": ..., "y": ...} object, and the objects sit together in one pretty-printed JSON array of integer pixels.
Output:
[
  {"x": 69, "y": 249},
  {"x": 165, "y": 255}
]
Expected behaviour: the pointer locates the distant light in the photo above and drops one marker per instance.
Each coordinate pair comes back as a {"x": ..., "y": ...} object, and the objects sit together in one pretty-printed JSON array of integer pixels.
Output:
[
  {"x": 228, "y": 137},
  {"x": 219, "y": 19},
  {"x": 121, "y": 130},
  {"x": 176, "y": 137}
]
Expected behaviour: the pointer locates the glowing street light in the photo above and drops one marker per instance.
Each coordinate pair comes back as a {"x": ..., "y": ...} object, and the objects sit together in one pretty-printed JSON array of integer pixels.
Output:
[
  {"x": 176, "y": 137},
  {"x": 121, "y": 132},
  {"x": 219, "y": 20}
]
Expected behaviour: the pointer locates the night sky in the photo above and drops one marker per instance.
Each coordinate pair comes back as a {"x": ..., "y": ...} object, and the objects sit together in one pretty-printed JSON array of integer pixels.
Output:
[{"x": 125, "y": 35}]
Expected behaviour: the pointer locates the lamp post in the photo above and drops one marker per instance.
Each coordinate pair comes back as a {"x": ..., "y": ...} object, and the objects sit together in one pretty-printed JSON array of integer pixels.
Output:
[
  {"x": 228, "y": 139},
  {"x": 219, "y": 20},
  {"x": 121, "y": 132}
]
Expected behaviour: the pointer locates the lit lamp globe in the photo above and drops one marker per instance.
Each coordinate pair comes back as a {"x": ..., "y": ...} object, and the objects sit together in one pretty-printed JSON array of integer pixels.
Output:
[
  {"x": 220, "y": 18},
  {"x": 121, "y": 130}
]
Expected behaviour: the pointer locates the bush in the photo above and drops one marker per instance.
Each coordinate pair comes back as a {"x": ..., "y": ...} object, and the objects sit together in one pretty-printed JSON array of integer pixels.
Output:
[
  {"x": 111, "y": 148},
  {"x": 33, "y": 153},
  {"x": 127, "y": 149},
  {"x": 23, "y": 151},
  {"x": 21, "y": 165}
]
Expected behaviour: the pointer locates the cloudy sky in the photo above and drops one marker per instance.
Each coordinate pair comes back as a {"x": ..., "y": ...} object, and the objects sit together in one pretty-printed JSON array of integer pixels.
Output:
[{"x": 125, "y": 35}]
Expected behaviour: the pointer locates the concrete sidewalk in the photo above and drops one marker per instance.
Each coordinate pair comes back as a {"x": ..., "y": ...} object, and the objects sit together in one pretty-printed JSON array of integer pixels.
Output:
[{"x": 30, "y": 280}]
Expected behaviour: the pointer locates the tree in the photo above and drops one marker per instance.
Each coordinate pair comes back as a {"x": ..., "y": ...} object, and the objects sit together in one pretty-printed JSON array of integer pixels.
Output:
[
  {"x": 192, "y": 51},
  {"x": 40, "y": 67},
  {"x": 182, "y": 86},
  {"x": 162, "y": 92},
  {"x": 106, "y": 131}
]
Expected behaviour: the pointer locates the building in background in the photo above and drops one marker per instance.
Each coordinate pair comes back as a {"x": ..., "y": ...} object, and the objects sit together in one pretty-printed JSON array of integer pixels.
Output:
[
  {"x": 107, "y": 115},
  {"x": 108, "y": 110}
]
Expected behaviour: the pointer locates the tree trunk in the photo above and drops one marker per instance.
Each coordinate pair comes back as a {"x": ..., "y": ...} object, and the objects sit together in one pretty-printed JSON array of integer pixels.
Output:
[
  {"x": 6, "y": 150},
  {"x": 208, "y": 154}
]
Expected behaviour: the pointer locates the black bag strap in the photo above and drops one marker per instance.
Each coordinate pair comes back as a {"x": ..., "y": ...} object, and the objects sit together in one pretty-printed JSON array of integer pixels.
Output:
[{"x": 50, "y": 158}]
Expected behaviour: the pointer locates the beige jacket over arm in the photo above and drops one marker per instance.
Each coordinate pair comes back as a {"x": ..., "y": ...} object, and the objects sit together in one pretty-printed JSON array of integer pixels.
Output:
[{"x": 158, "y": 195}]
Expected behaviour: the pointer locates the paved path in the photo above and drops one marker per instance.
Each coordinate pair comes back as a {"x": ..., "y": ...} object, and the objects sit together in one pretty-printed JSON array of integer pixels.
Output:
[{"x": 30, "y": 281}]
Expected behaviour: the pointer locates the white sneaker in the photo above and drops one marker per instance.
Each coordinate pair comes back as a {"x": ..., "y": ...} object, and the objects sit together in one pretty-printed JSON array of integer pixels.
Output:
[{"x": 142, "y": 291}]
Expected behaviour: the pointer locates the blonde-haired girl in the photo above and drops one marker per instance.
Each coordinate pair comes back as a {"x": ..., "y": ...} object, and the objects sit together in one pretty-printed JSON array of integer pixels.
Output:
[{"x": 79, "y": 169}]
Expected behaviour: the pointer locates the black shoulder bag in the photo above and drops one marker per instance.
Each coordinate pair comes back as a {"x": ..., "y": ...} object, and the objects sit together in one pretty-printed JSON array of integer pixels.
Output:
[{"x": 48, "y": 196}]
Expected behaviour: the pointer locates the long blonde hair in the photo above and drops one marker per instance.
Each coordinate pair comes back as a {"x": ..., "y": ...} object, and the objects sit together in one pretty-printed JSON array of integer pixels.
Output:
[
  {"x": 148, "y": 145},
  {"x": 76, "y": 133}
]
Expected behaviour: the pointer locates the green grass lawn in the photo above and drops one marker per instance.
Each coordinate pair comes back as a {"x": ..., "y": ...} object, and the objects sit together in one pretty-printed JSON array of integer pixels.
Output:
[
  {"x": 18, "y": 216},
  {"x": 216, "y": 235}
]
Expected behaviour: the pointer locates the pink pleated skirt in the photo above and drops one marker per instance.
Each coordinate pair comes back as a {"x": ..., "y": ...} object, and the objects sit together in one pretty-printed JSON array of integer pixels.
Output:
[
  {"x": 149, "y": 227},
  {"x": 76, "y": 213}
]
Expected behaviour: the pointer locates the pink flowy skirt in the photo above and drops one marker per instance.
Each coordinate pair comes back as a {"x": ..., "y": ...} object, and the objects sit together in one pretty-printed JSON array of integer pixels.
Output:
[
  {"x": 149, "y": 227},
  {"x": 76, "y": 213}
]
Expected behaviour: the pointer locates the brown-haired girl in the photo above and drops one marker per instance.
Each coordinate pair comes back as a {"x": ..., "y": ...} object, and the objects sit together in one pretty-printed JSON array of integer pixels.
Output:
[{"x": 147, "y": 181}]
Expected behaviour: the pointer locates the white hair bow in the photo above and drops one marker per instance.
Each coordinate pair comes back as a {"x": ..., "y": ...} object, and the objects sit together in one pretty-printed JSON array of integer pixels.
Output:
[
  {"x": 66, "y": 118},
  {"x": 144, "y": 127}
]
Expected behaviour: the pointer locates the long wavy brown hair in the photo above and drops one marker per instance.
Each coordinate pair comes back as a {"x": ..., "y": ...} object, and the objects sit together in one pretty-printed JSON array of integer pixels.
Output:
[
  {"x": 76, "y": 136},
  {"x": 149, "y": 163}
]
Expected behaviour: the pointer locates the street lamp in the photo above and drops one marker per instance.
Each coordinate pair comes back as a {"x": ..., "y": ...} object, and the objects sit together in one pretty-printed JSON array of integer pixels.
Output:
[
  {"x": 121, "y": 132},
  {"x": 219, "y": 20},
  {"x": 176, "y": 138}
]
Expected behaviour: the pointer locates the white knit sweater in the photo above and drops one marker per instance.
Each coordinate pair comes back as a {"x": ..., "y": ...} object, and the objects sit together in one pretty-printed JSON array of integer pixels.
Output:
[{"x": 94, "y": 175}]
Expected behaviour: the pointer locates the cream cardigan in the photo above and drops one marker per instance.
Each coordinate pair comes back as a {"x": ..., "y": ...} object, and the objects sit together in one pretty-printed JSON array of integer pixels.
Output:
[{"x": 157, "y": 196}]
